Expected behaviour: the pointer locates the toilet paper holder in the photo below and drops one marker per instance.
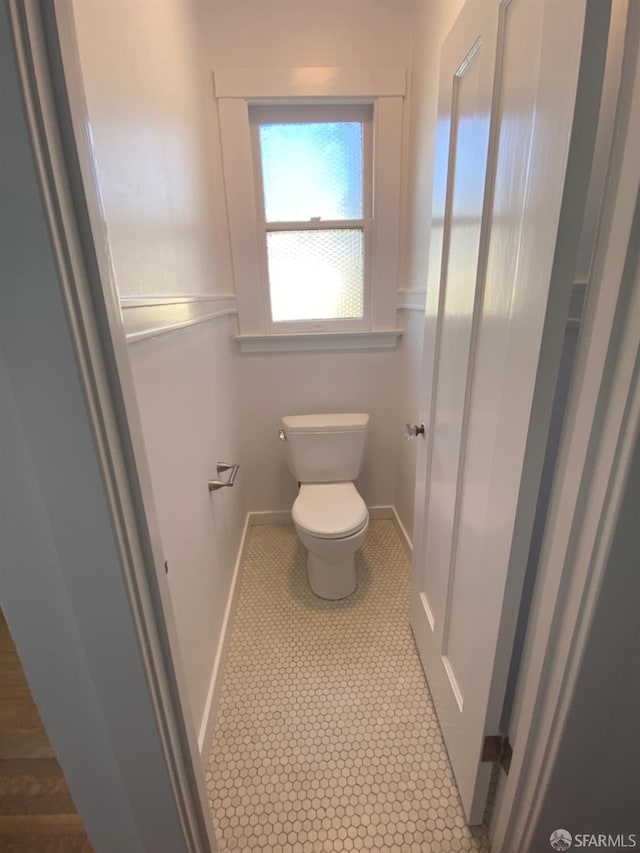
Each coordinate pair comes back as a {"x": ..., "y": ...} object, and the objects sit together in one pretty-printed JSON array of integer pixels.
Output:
[{"x": 221, "y": 467}]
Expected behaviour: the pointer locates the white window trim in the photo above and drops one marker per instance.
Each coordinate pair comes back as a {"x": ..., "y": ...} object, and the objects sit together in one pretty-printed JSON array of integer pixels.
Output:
[
  {"x": 239, "y": 88},
  {"x": 319, "y": 342}
]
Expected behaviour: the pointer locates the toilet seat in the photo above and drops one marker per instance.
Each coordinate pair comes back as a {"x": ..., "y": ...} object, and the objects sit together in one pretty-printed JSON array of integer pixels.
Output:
[{"x": 329, "y": 510}]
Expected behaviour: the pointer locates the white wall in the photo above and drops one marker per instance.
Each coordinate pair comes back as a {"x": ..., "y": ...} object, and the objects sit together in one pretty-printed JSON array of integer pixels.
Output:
[
  {"x": 62, "y": 580},
  {"x": 158, "y": 168},
  {"x": 409, "y": 387},
  {"x": 316, "y": 32},
  {"x": 431, "y": 23},
  {"x": 303, "y": 383},
  {"x": 282, "y": 33},
  {"x": 154, "y": 154},
  {"x": 186, "y": 389},
  {"x": 156, "y": 144}
]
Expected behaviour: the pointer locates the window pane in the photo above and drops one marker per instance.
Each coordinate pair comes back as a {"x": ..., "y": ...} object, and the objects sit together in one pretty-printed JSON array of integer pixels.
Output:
[
  {"x": 312, "y": 170},
  {"x": 316, "y": 275}
]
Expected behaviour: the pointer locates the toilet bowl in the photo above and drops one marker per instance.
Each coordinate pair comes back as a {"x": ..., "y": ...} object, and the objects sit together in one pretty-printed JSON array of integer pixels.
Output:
[
  {"x": 331, "y": 521},
  {"x": 325, "y": 454}
]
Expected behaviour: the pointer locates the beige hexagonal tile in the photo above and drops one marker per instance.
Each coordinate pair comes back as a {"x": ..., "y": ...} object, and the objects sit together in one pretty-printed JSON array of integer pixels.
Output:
[{"x": 326, "y": 737}]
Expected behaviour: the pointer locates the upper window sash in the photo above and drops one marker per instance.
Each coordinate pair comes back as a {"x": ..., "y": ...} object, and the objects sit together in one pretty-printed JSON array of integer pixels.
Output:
[{"x": 263, "y": 116}]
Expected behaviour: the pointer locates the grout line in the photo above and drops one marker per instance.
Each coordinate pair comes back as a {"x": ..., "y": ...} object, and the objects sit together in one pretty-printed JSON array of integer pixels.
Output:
[{"x": 207, "y": 724}]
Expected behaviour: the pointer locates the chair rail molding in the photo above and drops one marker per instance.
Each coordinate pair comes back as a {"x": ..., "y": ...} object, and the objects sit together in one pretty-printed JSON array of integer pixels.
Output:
[
  {"x": 149, "y": 316},
  {"x": 411, "y": 300}
]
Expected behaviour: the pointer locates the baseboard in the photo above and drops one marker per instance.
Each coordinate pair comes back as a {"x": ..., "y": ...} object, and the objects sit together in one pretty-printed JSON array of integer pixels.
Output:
[
  {"x": 213, "y": 696},
  {"x": 278, "y": 516},
  {"x": 380, "y": 512},
  {"x": 392, "y": 513},
  {"x": 406, "y": 539},
  {"x": 283, "y": 516}
]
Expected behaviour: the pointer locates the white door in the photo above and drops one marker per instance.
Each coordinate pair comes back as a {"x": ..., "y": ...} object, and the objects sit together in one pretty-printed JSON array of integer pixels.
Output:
[{"x": 493, "y": 336}]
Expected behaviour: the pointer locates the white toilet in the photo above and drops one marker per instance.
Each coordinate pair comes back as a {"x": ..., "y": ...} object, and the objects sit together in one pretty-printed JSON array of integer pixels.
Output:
[{"x": 325, "y": 454}]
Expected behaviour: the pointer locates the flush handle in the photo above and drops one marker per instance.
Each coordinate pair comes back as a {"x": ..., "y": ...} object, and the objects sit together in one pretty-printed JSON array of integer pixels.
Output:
[
  {"x": 214, "y": 485},
  {"x": 413, "y": 430},
  {"x": 282, "y": 435}
]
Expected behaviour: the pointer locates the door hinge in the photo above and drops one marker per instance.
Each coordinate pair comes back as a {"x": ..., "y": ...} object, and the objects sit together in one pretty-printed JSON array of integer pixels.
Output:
[
  {"x": 497, "y": 748},
  {"x": 166, "y": 567}
]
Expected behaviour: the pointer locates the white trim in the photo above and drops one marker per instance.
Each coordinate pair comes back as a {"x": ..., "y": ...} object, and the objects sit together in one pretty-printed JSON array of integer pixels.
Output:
[
  {"x": 277, "y": 516},
  {"x": 387, "y": 181},
  {"x": 309, "y": 342},
  {"x": 411, "y": 300},
  {"x": 309, "y": 82},
  {"x": 567, "y": 601},
  {"x": 389, "y": 511},
  {"x": 208, "y": 720},
  {"x": 283, "y": 516},
  {"x": 242, "y": 214},
  {"x": 381, "y": 511},
  {"x": 148, "y": 319},
  {"x": 146, "y": 301},
  {"x": 406, "y": 539},
  {"x": 127, "y": 582},
  {"x": 242, "y": 208},
  {"x": 155, "y": 331},
  {"x": 601, "y": 423}
]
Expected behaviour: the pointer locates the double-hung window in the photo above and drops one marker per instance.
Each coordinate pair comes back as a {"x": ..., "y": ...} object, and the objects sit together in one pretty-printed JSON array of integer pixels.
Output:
[
  {"x": 312, "y": 168},
  {"x": 313, "y": 177}
]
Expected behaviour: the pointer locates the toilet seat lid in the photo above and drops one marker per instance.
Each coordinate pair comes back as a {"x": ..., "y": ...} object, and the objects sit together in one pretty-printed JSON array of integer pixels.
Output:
[{"x": 329, "y": 510}]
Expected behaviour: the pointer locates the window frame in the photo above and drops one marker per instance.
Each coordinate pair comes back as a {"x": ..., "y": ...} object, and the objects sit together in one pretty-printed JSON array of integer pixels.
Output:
[
  {"x": 241, "y": 90},
  {"x": 260, "y": 114}
]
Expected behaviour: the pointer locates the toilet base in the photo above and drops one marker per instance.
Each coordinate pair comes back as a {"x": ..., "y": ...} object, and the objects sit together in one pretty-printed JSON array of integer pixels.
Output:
[
  {"x": 331, "y": 567},
  {"x": 332, "y": 580}
]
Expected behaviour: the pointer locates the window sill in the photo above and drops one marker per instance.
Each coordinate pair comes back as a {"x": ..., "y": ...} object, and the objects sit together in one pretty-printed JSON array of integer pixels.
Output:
[{"x": 320, "y": 342}]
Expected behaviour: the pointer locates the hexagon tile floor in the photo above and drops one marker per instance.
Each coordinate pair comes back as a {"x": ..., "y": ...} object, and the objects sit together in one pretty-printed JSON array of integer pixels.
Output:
[{"x": 326, "y": 737}]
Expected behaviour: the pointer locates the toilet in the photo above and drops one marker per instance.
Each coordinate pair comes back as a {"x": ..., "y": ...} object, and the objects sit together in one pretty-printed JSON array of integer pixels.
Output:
[{"x": 325, "y": 454}]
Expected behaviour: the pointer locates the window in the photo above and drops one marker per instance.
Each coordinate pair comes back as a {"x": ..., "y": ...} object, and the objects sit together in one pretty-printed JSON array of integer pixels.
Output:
[
  {"x": 312, "y": 165},
  {"x": 313, "y": 175}
]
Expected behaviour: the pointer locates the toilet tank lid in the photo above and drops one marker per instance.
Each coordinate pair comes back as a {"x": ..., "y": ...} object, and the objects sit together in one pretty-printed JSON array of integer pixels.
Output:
[{"x": 325, "y": 423}]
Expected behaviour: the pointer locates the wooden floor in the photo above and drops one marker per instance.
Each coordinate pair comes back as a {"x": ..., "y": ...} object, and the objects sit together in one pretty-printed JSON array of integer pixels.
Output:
[{"x": 37, "y": 814}]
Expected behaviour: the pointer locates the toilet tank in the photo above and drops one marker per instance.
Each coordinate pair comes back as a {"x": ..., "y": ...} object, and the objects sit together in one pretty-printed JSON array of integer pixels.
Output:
[{"x": 325, "y": 448}]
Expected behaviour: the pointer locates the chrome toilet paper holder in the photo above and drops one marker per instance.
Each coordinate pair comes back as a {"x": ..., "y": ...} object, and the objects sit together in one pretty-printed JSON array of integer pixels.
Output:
[{"x": 214, "y": 485}]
